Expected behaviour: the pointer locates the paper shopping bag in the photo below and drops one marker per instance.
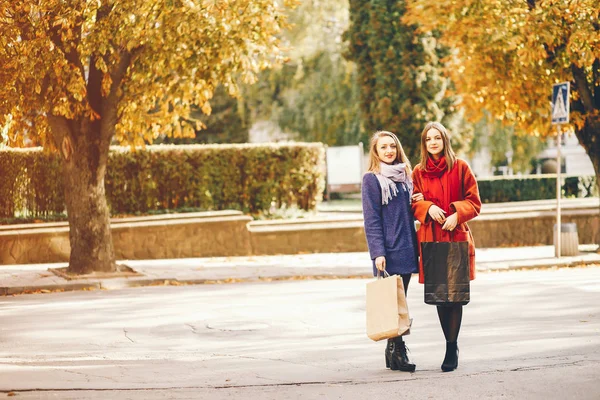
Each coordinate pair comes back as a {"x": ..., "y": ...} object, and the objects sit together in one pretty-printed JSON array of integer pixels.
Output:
[
  {"x": 446, "y": 272},
  {"x": 387, "y": 311}
]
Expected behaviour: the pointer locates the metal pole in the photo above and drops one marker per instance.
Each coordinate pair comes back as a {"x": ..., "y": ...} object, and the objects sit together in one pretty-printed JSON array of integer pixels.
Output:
[
  {"x": 558, "y": 191},
  {"x": 327, "y": 185}
]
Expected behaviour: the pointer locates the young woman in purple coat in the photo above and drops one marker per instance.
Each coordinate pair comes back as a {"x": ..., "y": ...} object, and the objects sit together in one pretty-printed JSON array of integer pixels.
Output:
[{"x": 387, "y": 191}]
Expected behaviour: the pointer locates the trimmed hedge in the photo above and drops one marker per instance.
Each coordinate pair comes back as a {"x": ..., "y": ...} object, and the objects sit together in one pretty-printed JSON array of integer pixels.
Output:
[
  {"x": 30, "y": 184},
  {"x": 245, "y": 177},
  {"x": 505, "y": 189}
]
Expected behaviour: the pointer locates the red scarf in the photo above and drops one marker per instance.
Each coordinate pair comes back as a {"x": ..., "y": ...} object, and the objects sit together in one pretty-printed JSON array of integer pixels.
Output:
[
  {"x": 443, "y": 188},
  {"x": 435, "y": 169}
]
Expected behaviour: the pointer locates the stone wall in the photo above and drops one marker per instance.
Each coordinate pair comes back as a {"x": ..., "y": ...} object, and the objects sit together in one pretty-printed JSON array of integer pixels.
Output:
[
  {"x": 185, "y": 238},
  {"x": 34, "y": 246},
  {"x": 493, "y": 230},
  {"x": 163, "y": 236},
  {"x": 316, "y": 236},
  {"x": 532, "y": 228},
  {"x": 229, "y": 233}
]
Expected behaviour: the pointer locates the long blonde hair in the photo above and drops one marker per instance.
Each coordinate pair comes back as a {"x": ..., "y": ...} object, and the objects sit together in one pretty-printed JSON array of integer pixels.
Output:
[
  {"x": 374, "y": 160},
  {"x": 448, "y": 152}
]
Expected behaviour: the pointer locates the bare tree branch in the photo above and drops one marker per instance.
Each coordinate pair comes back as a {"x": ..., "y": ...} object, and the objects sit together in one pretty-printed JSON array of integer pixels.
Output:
[
  {"x": 111, "y": 102},
  {"x": 70, "y": 49},
  {"x": 596, "y": 82},
  {"x": 94, "y": 85}
]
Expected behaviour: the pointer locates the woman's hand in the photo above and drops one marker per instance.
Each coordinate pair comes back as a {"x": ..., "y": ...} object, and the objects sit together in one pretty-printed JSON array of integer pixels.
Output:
[
  {"x": 380, "y": 263},
  {"x": 437, "y": 214},
  {"x": 417, "y": 197},
  {"x": 451, "y": 222}
]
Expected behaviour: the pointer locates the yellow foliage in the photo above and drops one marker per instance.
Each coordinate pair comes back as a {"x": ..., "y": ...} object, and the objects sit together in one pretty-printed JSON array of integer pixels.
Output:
[
  {"x": 508, "y": 54},
  {"x": 151, "y": 60}
]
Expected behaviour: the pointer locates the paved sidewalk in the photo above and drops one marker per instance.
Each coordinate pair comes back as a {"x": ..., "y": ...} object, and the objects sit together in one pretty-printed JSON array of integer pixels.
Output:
[{"x": 35, "y": 278}]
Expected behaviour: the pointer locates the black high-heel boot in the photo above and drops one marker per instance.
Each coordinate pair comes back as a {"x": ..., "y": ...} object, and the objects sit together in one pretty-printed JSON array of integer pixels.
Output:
[
  {"x": 451, "y": 359},
  {"x": 388, "y": 353},
  {"x": 399, "y": 359}
]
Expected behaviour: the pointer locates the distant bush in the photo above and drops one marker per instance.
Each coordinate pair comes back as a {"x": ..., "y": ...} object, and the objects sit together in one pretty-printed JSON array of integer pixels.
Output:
[
  {"x": 251, "y": 178},
  {"x": 505, "y": 189}
]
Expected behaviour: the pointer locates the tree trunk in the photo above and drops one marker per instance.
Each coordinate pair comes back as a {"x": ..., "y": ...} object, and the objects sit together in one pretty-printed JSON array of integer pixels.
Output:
[
  {"x": 89, "y": 218},
  {"x": 84, "y": 143},
  {"x": 84, "y": 166},
  {"x": 589, "y": 138}
]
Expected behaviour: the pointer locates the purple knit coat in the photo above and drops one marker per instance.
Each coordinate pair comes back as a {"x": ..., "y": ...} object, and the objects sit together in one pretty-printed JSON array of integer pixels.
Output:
[{"x": 390, "y": 228}]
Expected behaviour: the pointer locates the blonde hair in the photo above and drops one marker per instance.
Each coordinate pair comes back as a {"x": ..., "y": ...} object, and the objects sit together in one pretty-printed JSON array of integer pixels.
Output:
[
  {"x": 374, "y": 159},
  {"x": 448, "y": 152}
]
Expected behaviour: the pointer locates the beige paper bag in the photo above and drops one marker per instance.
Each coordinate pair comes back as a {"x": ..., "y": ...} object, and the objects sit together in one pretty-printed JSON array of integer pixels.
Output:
[{"x": 387, "y": 311}]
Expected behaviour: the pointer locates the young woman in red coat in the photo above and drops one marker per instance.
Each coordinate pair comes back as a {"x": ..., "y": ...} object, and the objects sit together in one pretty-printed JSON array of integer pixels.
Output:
[{"x": 451, "y": 198}]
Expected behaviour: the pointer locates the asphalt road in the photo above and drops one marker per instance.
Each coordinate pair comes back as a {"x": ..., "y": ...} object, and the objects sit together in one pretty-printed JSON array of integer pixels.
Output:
[{"x": 527, "y": 334}]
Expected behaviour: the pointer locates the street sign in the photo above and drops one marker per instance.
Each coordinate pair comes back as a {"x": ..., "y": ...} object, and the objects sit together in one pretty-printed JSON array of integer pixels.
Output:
[
  {"x": 560, "y": 115},
  {"x": 560, "y": 103}
]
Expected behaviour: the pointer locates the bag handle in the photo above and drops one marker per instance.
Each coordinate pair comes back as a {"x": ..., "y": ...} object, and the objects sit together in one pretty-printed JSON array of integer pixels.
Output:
[
  {"x": 451, "y": 232},
  {"x": 433, "y": 231},
  {"x": 385, "y": 274}
]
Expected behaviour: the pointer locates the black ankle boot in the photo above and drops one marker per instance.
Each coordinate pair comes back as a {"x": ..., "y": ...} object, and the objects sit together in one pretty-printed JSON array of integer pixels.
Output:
[
  {"x": 451, "y": 359},
  {"x": 389, "y": 349},
  {"x": 399, "y": 357}
]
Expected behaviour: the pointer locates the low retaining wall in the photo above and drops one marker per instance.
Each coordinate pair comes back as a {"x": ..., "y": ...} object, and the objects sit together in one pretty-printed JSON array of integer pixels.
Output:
[
  {"x": 491, "y": 230},
  {"x": 34, "y": 246},
  {"x": 229, "y": 233},
  {"x": 184, "y": 238},
  {"x": 532, "y": 228},
  {"x": 207, "y": 234},
  {"x": 316, "y": 236}
]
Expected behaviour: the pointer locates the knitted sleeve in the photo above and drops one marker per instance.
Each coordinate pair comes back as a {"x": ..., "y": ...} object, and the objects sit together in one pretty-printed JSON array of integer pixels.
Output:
[{"x": 371, "y": 205}]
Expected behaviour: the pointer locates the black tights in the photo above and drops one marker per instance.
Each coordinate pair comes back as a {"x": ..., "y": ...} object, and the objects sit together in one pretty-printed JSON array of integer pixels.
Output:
[
  {"x": 405, "y": 281},
  {"x": 450, "y": 319}
]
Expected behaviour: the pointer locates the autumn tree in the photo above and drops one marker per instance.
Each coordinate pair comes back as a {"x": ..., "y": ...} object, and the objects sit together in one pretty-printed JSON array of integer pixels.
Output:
[
  {"x": 228, "y": 122},
  {"x": 508, "y": 54},
  {"x": 87, "y": 72},
  {"x": 400, "y": 72},
  {"x": 315, "y": 95}
]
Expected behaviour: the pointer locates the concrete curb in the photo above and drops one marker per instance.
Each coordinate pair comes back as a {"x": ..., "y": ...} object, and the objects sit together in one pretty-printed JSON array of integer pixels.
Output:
[
  {"x": 565, "y": 262},
  {"x": 68, "y": 287}
]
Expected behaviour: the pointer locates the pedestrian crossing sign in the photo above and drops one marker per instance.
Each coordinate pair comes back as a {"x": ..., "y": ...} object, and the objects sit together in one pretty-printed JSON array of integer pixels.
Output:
[{"x": 560, "y": 103}]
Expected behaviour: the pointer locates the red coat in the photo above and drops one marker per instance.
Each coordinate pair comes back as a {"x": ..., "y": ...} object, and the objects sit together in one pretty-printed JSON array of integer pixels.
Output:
[{"x": 467, "y": 209}]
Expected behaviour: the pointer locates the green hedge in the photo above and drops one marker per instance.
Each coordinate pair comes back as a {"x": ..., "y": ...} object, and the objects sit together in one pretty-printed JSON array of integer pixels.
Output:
[
  {"x": 30, "y": 184},
  {"x": 505, "y": 189},
  {"x": 209, "y": 177}
]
